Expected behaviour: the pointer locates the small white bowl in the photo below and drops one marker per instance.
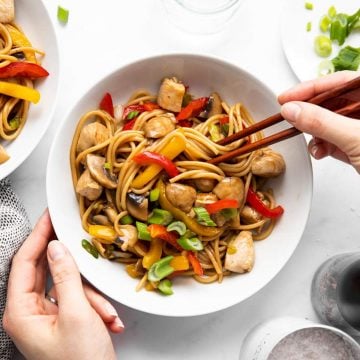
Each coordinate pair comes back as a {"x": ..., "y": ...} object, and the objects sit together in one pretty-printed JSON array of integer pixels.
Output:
[
  {"x": 293, "y": 190},
  {"x": 33, "y": 18}
]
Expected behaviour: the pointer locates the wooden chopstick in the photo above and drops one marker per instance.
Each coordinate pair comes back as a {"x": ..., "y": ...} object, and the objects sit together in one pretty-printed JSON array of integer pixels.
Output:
[
  {"x": 274, "y": 119},
  {"x": 287, "y": 133}
]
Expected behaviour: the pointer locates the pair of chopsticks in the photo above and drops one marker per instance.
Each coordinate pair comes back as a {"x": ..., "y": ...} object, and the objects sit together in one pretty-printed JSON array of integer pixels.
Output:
[{"x": 343, "y": 100}]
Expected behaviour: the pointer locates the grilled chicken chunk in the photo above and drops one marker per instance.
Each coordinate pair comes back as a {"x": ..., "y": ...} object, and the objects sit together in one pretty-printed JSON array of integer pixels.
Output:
[
  {"x": 267, "y": 163},
  {"x": 240, "y": 255},
  {"x": 159, "y": 126},
  {"x": 90, "y": 135},
  {"x": 88, "y": 187},
  {"x": 7, "y": 11},
  {"x": 230, "y": 188},
  {"x": 181, "y": 196},
  {"x": 171, "y": 95}
]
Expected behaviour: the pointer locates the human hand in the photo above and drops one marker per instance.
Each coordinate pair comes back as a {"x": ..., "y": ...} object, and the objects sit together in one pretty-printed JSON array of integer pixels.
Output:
[
  {"x": 333, "y": 135},
  {"x": 77, "y": 327}
]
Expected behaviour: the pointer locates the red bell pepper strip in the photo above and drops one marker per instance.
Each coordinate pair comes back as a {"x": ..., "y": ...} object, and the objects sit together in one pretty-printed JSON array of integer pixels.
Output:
[
  {"x": 129, "y": 125},
  {"x": 160, "y": 232},
  {"x": 185, "y": 123},
  {"x": 148, "y": 158},
  {"x": 106, "y": 104},
  {"x": 194, "y": 108},
  {"x": 224, "y": 120},
  {"x": 221, "y": 204},
  {"x": 22, "y": 69},
  {"x": 195, "y": 263},
  {"x": 254, "y": 201},
  {"x": 148, "y": 106}
]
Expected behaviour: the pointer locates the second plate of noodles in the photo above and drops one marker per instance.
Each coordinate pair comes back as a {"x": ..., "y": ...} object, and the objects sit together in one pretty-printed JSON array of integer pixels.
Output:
[
  {"x": 132, "y": 195},
  {"x": 150, "y": 200}
]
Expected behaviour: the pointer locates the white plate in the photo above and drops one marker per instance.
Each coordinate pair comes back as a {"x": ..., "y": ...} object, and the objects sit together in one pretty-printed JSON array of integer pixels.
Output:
[
  {"x": 34, "y": 19},
  {"x": 293, "y": 190},
  {"x": 298, "y": 44}
]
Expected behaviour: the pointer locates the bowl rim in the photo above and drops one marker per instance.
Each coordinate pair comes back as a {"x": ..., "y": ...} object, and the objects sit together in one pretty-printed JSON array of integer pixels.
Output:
[
  {"x": 51, "y": 113},
  {"x": 220, "y": 61}
]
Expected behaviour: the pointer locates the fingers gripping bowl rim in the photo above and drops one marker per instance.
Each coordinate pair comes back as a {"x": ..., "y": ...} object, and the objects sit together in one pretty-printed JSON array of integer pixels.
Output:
[{"x": 294, "y": 190}]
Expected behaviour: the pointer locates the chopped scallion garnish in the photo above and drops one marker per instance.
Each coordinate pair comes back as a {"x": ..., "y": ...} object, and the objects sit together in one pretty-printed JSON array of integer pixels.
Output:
[
  {"x": 322, "y": 45},
  {"x": 203, "y": 217},
  {"x": 177, "y": 226},
  {"x": 308, "y": 26},
  {"x": 62, "y": 15},
  {"x": 160, "y": 217}
]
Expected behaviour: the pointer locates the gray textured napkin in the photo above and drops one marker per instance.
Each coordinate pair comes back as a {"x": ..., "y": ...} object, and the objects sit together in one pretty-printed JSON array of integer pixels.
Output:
[{"x": 14, "y": 229}]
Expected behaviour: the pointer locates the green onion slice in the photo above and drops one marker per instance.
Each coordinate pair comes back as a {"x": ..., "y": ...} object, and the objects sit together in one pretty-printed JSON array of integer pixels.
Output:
[
  {"x": 90, "y": 248},
  {"x": 177, "y": 226},
  {"x": 160, "y": 217},
  {"x": 160, "y": 269},
  {"x": 203, "y": 217},
  {"x": 165, "y": 286},
  {"x": 143, "y": 232},
  {"x": 322, "y": 45},
  {"x": 193, "y": 244},
  {"x": 326, "y": 67},
  {"x": 126, "y": 220},
  {"x": 154, "y": 195},
  {"x": 62, "y": 14}
]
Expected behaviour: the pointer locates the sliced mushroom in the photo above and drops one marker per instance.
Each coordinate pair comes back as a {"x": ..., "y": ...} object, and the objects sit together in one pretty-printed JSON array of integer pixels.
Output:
[
  {"x": 101, "y": 220},
  {"x": 137, "y": 206},
  {"x": 240, "y": 255},
  {"x": 128, "y": 238},
  {"x": 203, "y": 199},
  {"x": 4, "y": 156},
  {"x": 96, "y": 166},
  {"x": 159, "y": 126},
  {"x": 88, "y": 187},
  {"x": 213, "y": 106},
  {"x": 110, "y": 213},
  {"x": 181, "y": 196},
  {"x": 171, "y": 95},
  {"x": 267, "y": 163},
  {"x": 250, "y": 215},
  {"x": 90, "y": 135},
  {"x": 230, "y": 188},
  {"x": 204, "y": 185}
]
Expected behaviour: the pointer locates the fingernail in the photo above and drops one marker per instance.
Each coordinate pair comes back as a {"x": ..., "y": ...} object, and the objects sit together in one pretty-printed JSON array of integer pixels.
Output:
[
  {"x": 111, "y": 310},
  {"x": 119, "y": 323},
  {"x": 314, "y": 149},
  {"x": 56, "y": 250},
  {"x": 290, "y": 111}
]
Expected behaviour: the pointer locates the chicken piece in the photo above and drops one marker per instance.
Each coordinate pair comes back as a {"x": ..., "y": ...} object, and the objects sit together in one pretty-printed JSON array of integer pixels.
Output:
[
  {"x": 7, "y": 11},
  {"x": 203, "y": 199},
  {"x": 230, "y": 188},
  {"x": 181, "y": 196},
  {"x": 204, "y": 185},
  {"x": 250, "y": 215},
  {"x": 159, "y": 126},
  {"x": 88, "y": 187},
  {"x": 171, "y": 95},
  {"x": 267, "y": 163},
  {"x": 128, "y": 238},
  {"x": 90, "y": 135},
  {"x": 240, "y": 255}
]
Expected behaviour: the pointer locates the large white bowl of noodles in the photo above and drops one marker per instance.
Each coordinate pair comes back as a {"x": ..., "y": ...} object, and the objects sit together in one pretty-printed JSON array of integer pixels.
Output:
[
  {"x": 293, "y": 190},
  {"x": 33, "y": 18}
]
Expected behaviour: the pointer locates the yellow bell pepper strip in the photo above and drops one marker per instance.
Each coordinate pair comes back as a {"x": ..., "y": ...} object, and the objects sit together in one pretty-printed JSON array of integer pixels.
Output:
[
  {"x": 178, "y": 214},
  {"x": 105, "y": 234},
  {"x": 20, "y": 40},
  {"x": 180, "y": 263},
  {"x": 171, "y": 150},
  {"x": 19, "y": 91},
  {"x": 154, "y": 253},
  {"x": 131, "y": 270}
]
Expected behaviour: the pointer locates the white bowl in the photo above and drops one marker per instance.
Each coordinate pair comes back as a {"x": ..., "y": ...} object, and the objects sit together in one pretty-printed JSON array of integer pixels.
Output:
[
  {"x": 34, "y": 19},
  {"x": 293, "y": 190}
]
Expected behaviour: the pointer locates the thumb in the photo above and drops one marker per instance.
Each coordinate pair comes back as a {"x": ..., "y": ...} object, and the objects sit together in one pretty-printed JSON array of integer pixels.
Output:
[
  {"x": 322, "y": 123},
  {"x": 66, "y": 277}
]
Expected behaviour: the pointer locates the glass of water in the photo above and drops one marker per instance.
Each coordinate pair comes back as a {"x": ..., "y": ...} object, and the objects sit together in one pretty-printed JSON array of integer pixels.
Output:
[{"x": 201, "y": 16}]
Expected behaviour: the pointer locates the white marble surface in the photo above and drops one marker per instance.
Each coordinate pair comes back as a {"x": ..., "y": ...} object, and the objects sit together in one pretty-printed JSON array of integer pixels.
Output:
[{"x": 102, "y": 36}]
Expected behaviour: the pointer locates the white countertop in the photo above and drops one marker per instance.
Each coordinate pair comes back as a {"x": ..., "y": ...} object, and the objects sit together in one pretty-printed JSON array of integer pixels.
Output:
[{"x": 102, "y": 36}]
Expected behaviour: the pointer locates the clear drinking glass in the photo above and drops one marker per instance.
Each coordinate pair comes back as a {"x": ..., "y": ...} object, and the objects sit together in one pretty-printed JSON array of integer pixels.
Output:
[
  {"x": 201, "y": 16},
  {"x": 335, "y": 292},
  {"x": 297, "y": 339}
]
